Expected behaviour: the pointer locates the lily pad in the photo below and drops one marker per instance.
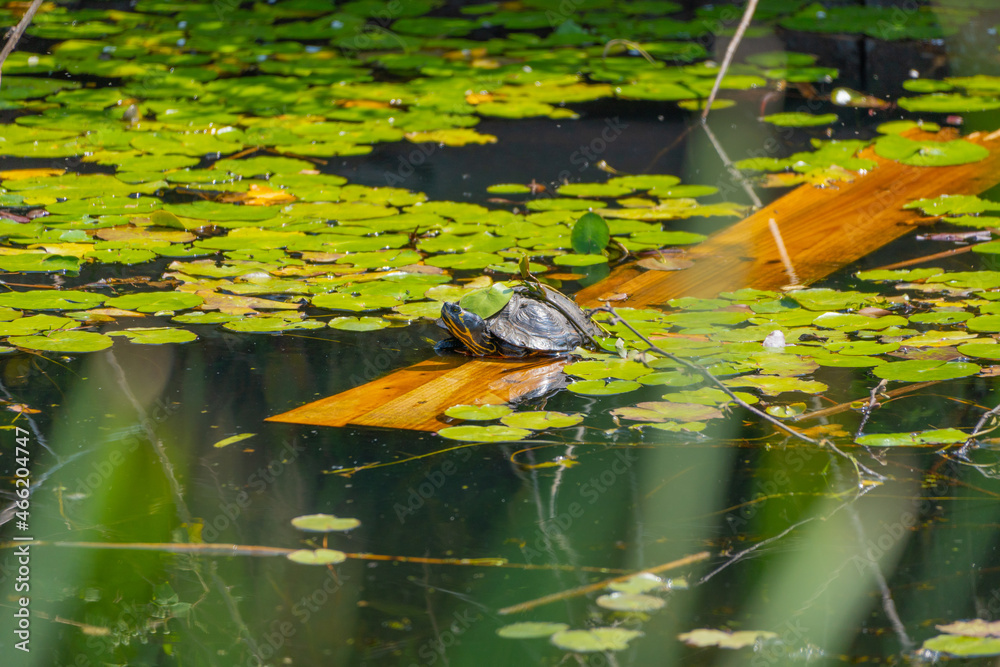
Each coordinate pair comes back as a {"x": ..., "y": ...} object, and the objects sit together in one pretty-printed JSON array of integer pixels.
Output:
[
  {"x": 155, "y": 335},
  {"x": 540, "y": 421},
  {"x": 944, "y": 436},
  {"x": 492, "y": 433},
  {"x": 63, "y": 341},
  {"x": 324, "y": 523},
  {"x": 595, "y": 639},
  {"x": 317, "y": 556},
  {"x": 529, "y": 630},
  {"x": 916, "y": 370},
  {"x": 631, "y": 602},
  {"x": 478, "y": 412}
]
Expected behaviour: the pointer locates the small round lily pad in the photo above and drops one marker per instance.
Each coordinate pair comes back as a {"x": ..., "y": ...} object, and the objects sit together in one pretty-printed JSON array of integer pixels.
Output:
[
  {"x": 317, "y": 556},
  {"x": 324, "y": 523},
  {"x": 478, "y": 412},
  {"x": 493, "y": 433}
]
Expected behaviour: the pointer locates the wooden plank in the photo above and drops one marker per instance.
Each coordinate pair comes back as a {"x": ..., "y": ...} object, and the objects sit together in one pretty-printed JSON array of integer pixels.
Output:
[
  {"x": 823, "y": 229},
  {"x": 414, "y": 398}
]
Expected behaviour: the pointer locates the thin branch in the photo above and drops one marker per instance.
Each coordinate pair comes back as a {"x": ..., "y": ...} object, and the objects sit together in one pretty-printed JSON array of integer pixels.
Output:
[
  {"x": 866, "y": 412},
  {"x": 736, "y": 174},
  {"x": 844, "y": 407},
  {"x": 704, "y": 371},
  {"x": 730, "y": 52},
  {"x": 590, "y": 588},
  {"x": 14, "y": 36}
]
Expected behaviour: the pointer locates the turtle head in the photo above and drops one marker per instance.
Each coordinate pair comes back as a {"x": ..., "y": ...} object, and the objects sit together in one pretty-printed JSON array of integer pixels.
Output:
[{"x": 468, "y": 328}]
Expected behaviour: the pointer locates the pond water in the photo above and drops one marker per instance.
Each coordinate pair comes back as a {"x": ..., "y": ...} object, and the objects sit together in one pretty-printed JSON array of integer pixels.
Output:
[{"x": 844, "y": 558}]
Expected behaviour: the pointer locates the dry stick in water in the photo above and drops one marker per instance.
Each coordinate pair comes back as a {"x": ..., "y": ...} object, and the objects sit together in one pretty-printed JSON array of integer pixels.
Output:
[
  {"x": 730, "y": 52},
  {"x": 704, "y": 371},
  {"x": 14, "y": 35},
  {"x": 590, "y": 588},
  {"x": 858, "y": 466},
  {"x": 867, "y": 411}
]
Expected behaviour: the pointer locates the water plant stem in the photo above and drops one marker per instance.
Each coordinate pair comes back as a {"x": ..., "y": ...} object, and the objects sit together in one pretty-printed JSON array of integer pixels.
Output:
[
  {"x": 728, "y": 58},
  {"x": 14, "y": 35}
]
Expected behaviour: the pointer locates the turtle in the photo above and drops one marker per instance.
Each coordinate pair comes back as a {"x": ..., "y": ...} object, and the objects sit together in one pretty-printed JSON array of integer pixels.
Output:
[{"x": 536, "y": 320}]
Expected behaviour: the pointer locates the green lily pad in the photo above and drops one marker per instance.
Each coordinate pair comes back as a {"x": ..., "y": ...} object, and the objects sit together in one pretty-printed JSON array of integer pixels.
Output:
[
  {"x": 492, "y": 433},
  {"x": 631, "y": 602},
  {"x": 929, "y": 153},
  {"x": 155, "y": 335},
  {"x": 487, "y": 302},
  {"x": 478, "y": 412},
  {"x": 540, "y": 421},
  {"x": 358, "y": 323},
  {"x": 154, "y": 302},
  {"x": 799, "y": 119},
  {"x": 723, "y": 639},
  {"x": 324, "y": 523},
  {"x": 595, "y": 639},
  {"x": 530, "y": 630},
  {"x": 317, "y": 556},
  {"x": 63, "y": 341},
  {"x": 590, "y": 234},
  {"x": 944, "y": 436},
  {"x": 980, "y": 350},
  {"x": 773, "y": 385},
  {"x": 652, "y": 411},
  {"x": 602, "y": 388},
  {"x": 916, "y": 370},
  {"x": 38, "y": 262},
  {"x": 51, "y": 300},
  {"x": 638, "y": 583},
  {"x": 270, "y": 325},
  {"x": 963, "y": 647},
  {"x": 621, "y": 369}
]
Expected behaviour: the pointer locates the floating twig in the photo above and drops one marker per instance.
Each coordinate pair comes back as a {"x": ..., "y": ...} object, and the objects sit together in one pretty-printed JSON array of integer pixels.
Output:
[{"x": 590, "y": 588}]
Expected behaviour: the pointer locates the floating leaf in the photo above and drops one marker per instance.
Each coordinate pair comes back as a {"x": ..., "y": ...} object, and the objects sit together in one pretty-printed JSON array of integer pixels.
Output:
[
  {"x": 493, "y": 433},
  {"x": 595, "y": 639},
  {"x": 487, "y": 302},
  {"x": 478, "y": 412},
  {"x": 944, "y": 436},
  {"x": 324, "y": 523},
  {"x": 358, "y": 323},
  {"x": 929, "y": 153},
  {"x": 540, "y": 421},
  {"x": 916, "y": 370},
  {"x": 723, "y": 639},
  {"x": 317, "y": 556},
  {"x": 590, "y": 234},
  {"x": 530, "y": 630},
  {"x": 225, "y": 442},
  {"x": 63, "y": 341},
  {"x": 963, "y": 647},
  {"x": 799, "y": 119},
  {"x": 631, "y": 602},
  {"x": 155, "y": 335},
  {"x": 602, "y": 388},
  {"x": 154, "y": 302},
  {"x": 51, "y": 300}
]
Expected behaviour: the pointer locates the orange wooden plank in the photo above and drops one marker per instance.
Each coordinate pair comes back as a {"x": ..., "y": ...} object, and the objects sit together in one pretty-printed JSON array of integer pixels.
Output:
[{"x": 822, "y": 229}]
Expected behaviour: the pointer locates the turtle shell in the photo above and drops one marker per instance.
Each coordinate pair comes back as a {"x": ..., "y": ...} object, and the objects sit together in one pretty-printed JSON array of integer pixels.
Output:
[{"x": 529, "y": 324}]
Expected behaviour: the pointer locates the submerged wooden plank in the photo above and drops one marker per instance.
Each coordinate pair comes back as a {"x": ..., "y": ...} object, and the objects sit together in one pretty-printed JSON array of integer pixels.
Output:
[{"x": 823, "y": 229}]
